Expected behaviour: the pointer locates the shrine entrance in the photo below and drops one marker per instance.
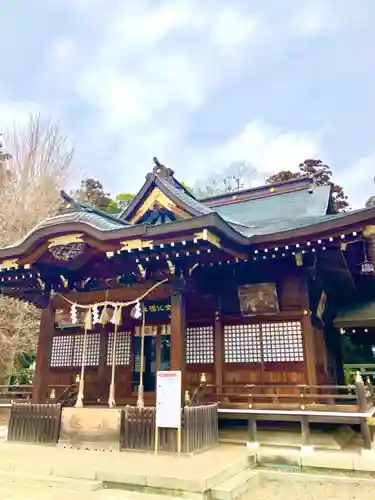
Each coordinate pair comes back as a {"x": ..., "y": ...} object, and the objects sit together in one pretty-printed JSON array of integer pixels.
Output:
[{"x": 157, "y": 355}]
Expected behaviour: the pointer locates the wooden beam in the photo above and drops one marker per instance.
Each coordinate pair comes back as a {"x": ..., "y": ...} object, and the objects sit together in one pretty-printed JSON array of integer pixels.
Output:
[{"x": 43, "y": 356}]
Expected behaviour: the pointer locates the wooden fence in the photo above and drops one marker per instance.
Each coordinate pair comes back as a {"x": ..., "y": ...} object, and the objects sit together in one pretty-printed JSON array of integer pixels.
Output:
[
  {"x": 199, "y": 429},
  {"x": 34, "y": 423}
]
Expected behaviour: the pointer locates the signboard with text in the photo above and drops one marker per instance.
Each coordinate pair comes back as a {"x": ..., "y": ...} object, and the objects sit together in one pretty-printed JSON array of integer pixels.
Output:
[{"x": 168, "y": 399}]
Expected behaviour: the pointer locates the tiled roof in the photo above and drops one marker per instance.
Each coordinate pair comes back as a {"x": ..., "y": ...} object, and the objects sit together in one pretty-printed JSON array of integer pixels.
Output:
[
  {"x": 178, "y": 191},
  {"x": 282, "y": 212}
]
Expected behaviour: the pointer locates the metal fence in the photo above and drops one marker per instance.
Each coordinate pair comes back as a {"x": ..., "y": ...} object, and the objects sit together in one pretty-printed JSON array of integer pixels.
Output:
[
  {"x": 34, "y": 423},
  {"x": 199, "y": 429}
]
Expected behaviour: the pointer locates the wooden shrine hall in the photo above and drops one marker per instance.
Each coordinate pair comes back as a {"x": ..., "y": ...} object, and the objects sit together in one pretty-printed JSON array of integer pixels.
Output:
[{"x": 239, "y": 289}]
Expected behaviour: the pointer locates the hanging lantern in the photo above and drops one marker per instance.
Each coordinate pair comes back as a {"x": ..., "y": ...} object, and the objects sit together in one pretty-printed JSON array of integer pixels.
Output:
[
  {"x": 88, "y": 320},
  {"x": 95, "y": 314},
  {"x": 367, "y": 267},
  {"x": 73, "y": 314},
  {"x": 136, "y": 311},
  {"x": 105, "y": 316}
]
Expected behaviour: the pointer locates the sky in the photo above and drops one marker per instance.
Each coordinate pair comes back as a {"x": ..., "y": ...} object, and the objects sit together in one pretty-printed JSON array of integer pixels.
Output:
[{"x": 198, "y": 83}]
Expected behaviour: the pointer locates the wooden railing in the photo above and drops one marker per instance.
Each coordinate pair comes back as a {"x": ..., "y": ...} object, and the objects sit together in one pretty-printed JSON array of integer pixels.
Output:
[
  {"x": 15, "y": 393},
  {"x": 66, "y": 395},
  {"x": 358, "y": 397},
  {"x": 32, "y": 423}
]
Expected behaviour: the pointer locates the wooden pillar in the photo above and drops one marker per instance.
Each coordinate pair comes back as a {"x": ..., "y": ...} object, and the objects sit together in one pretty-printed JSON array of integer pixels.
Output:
[
  {"x": 178, "y": 325},
  {"x": 308, "y": 332},
  {"x": 219, "y": 352},
  {"x": 43, "y": 356}
]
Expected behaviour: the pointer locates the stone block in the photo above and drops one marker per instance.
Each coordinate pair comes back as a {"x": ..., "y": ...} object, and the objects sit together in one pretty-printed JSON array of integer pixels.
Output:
[
  {"x": 278, "y": 456},
  {"x": 365, "y": 461},
  {"x": 177, "y": 483},
  {"x": 115, "y": 475},
  {"x": 91, "y": 429},
  {"x": 328, "y": 460}
]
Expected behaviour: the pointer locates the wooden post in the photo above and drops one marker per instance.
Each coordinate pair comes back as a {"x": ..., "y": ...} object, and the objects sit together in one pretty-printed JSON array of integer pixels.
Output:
[
  {"x": 43, "y": 356},
  {"x": 102, "y": 381},
  {"x": 219, "y": 354},
  {"x": 362, "y": 407},
  {"x": 252, "y": 429},
  {"x": 308, "y": 332},
  {"x": 178, "y": 325},
  {"x": 305, "y": 428}
]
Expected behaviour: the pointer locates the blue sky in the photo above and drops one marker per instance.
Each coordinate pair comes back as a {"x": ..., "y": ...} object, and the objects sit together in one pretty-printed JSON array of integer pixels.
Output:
[{"x": 200, "y": 84}]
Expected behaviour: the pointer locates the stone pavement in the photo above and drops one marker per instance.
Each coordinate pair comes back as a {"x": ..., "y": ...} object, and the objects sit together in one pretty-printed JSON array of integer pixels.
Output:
[
  {"x": 168, "y": 472},
  {"x": 287, "y": 490},
  {"x": 14, "y": 488}
]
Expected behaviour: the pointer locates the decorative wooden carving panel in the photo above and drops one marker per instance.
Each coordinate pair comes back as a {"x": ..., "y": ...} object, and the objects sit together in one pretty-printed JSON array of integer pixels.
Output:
[
  {"x": 200, "y": 345},
  {"x": 122, "y": 348},
  {"x": 242, "y": 344},
  {"x": 282, "y": 342},
  {"x": 62, "y": 351}
]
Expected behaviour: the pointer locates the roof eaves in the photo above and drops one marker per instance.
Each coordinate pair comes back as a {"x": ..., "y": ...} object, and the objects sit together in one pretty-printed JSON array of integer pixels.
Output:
[{"x": 334, "y": 222}]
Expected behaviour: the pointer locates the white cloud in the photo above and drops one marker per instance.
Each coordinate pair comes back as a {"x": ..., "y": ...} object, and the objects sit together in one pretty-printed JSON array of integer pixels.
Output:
[
  {"x": 265, "y": 147},
  {"x": 17, "y": 112},
  {"x": 231, "y": 29},
  {"x": 358, "y": 180},
  {"x": 142, "y": 84},
  {"x": 319, "y": 17},
  {"x": 141, "y": 88}
]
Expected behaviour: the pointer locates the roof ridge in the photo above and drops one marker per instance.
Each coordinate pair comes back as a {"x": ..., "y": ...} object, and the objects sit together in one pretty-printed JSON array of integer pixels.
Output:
[{"x": 246, "y": 194}]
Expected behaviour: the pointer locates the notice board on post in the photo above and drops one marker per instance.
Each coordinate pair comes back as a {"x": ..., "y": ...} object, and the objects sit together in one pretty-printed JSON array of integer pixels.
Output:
[{"x": 168, "y": 399}]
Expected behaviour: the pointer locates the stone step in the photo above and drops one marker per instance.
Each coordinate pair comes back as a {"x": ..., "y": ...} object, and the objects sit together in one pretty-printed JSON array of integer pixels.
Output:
[
  {"x": 235, "y": 486},
  {"x": 67, "y": 484}
]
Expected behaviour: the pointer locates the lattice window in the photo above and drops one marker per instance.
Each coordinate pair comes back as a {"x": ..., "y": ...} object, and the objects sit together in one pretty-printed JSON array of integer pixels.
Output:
[
  {"x": 200, "y": 345},
  {"x": 93, "y": 349},
  {"x": 78, "y": 350},
  {"x": 282, "y": 342},
  {"x": 122, "y": 348},
  {"x": 242, "y": 344},
  {"x": 62, "y": 351}
]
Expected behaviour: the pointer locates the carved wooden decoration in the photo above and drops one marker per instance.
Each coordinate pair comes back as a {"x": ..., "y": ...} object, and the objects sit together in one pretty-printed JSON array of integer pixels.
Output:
[{"x": 258, "y": 298}]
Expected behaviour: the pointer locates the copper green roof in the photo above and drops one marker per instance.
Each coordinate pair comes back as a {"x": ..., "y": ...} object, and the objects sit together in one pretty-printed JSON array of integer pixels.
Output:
[{"x": 279, "y": 212}]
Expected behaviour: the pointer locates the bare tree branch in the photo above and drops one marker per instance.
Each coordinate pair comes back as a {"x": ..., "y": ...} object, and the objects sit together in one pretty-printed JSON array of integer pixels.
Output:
[{"x": 33, "y": 169}]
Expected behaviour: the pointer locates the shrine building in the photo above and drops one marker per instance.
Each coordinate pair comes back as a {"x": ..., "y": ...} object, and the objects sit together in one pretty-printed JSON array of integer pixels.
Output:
[{"x": 254, "y": 287}]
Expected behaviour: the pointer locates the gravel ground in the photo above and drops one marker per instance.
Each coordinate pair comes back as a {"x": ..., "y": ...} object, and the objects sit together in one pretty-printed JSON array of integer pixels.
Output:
[{"x": 289, "y": 490}]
